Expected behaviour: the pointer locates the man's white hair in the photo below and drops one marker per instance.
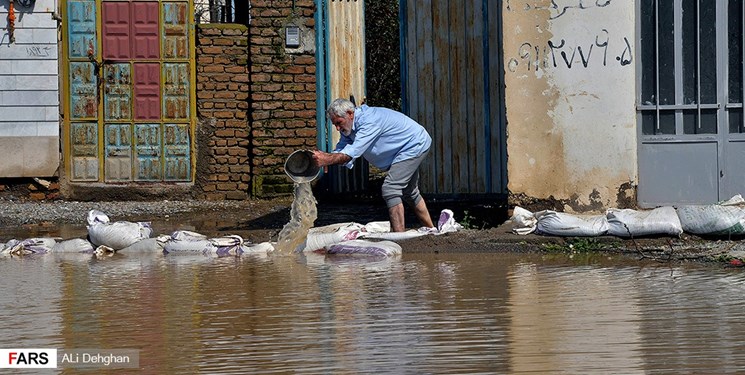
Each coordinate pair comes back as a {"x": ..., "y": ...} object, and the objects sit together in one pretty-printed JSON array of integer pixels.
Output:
[{"x": 339, "y": 108}]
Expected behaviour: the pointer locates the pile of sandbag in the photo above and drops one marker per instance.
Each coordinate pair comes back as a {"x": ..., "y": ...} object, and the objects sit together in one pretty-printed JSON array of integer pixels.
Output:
[
  {"x": 616, "y": 222},
  {"x": 107, "y": 237},
  {"x": 721, "y": 219},
  {"x": 374, "y": 238}
]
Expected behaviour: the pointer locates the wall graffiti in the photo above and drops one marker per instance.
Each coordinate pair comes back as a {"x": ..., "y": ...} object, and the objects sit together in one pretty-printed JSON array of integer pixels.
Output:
[
  {"x": 563, "y": 54},
  {"x": 36, "y": 51},
  {"x": 557, "y": 7}
]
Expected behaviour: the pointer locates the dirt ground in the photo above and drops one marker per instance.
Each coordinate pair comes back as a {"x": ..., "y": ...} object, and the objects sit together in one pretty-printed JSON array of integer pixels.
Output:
[{"x": 486, "y": 231}]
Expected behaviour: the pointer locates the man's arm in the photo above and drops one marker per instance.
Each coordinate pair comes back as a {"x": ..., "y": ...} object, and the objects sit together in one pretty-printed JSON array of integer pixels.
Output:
[{"x": 324, "y": 159}]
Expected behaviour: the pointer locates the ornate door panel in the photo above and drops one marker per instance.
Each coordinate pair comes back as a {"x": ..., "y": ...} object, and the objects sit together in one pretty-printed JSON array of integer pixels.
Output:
[
  {"x": 129, "y": 90},
  {"x": 147, "y": 91}
]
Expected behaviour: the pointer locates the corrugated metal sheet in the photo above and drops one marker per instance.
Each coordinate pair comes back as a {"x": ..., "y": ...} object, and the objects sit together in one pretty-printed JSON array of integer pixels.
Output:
[
  {"x": 346, "y": 51},
  {"x": 344, "y": 47},
  {"x": 453, "y": 86}
]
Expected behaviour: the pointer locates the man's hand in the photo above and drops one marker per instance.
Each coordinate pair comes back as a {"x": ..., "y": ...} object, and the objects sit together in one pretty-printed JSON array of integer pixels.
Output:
[{"x": 324, "y": 159}]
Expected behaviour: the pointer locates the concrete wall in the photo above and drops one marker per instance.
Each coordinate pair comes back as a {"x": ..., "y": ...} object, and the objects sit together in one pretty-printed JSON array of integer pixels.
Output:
[
  {"x": 29, "y": 91},
  {"x": 570, "y": 94}
]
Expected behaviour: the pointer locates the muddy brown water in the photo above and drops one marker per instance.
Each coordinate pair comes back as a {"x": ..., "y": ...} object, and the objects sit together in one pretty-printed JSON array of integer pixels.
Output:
[{"x": 422, "y": 312}]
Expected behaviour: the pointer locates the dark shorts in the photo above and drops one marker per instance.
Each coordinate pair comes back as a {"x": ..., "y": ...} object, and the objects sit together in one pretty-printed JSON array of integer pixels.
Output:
[{"x": 402, "y": 182}]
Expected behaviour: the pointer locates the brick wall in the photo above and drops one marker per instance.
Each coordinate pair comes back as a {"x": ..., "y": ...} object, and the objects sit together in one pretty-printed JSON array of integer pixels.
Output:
[
  {"x": 223, "y": 158},
  {"x": 283, "y": 90}
]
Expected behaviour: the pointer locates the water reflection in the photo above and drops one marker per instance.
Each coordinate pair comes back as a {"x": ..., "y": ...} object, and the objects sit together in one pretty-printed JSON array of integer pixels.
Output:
[{"x": 420, "y": 313}]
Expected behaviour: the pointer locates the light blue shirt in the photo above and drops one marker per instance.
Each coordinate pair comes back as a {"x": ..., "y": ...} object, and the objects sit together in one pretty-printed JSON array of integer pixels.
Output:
[{"x": 383, "y": 137}]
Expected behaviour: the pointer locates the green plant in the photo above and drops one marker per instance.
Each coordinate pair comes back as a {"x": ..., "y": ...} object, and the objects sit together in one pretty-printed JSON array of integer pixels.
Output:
[{"x": 468, "y": 221}]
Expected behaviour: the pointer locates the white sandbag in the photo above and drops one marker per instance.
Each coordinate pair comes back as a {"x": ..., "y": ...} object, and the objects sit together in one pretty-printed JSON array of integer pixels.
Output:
[
  {"x": 393, "y": 236},
  {"x": 523, "y": 221},
  {"x": 564, "y": 224},
  {"x": 446, "y": 222},
  {"x": 75, "y": 245},
  {"x": 320, "y": 237},
  {"x": 103, "y": 250},
  {"x": 29, "y": 246},
  {"x": 377, "y": 227},
  {"x": 148, "y": 245},
  {"x": 661, "y": 220},
  {"x": 712, "y": 219},
  {"x": 734, "y": 201},
  {"x": 117, "y": 235},
  {"x": 363, "y": 247},
  {"x": 257, "y": 248},
  {"x": 191, "y": 243}
]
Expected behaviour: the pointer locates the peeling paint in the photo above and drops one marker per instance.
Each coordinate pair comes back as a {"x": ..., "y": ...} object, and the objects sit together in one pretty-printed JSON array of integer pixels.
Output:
[{"x": 570, "y": 102}]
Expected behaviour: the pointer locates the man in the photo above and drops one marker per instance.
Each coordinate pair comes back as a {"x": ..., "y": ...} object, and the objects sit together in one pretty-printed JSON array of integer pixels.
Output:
[{"x": 390, "y": 141}]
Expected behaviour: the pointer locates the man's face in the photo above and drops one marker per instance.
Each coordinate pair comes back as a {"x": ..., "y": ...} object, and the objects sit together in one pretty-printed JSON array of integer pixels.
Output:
[{"x": 343, "y": 124}]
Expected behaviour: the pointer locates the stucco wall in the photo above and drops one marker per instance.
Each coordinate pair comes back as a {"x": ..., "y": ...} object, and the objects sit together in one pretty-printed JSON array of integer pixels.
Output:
[
  {"x": 569, "y": 91},
  {"x": 29, "y": 91}
]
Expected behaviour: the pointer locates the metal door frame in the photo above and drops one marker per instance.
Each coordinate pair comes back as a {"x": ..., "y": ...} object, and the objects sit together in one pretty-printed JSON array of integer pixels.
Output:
[{"x": 681, "y": 143}]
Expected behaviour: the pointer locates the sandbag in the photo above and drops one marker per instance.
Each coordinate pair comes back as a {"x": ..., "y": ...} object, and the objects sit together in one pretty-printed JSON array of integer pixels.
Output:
[
  {"x": 75, "y": 245},
  {"x": 563, "y": 224},
  {"x": 29, "y": 246},
  {"x": 258, "y": 248},
  {"x": 446, "y": 222},
  {"x": 712, "y": 219},
  {"x": 320, "y": 237},
  {"x": 523, "y": 221},
  {"x": 632, "y": 223},
  {"x": 184, "y": 242},
  {"x": 117, "y": 235},
  {"x": 147, "y": 245},
  {"x": 363, "y": 247},
  {"x": 394, "y": 236}
]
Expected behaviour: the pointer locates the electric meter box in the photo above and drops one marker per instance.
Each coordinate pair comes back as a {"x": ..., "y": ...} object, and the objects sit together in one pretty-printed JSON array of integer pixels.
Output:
[{"x": 292, "y": 36}]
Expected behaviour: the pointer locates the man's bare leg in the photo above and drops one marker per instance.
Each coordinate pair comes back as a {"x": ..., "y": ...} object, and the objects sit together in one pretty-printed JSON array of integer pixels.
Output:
[
  {"x": 396, "y": 214},
  {"x": 423, "y": 214}
]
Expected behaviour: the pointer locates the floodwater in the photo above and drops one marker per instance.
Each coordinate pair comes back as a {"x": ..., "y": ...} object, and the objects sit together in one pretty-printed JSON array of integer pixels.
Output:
[{"x": 420, "y": 313}]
